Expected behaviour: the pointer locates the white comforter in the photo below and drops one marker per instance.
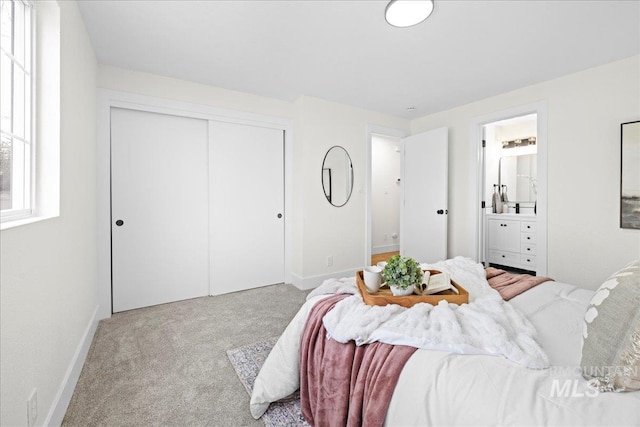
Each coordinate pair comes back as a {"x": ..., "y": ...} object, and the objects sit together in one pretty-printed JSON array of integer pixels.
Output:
[
  {"x": 487, "y": 325},
  {"x": 443, "y": 388}
]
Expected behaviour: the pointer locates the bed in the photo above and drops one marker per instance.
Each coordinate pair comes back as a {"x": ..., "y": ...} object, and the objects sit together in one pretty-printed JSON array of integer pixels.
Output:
[{"x": 453, "y": 384}]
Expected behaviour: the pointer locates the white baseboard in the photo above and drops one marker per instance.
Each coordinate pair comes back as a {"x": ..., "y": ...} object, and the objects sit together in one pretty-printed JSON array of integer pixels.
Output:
[
  {"x": 386, "y": 248},
  {"x": 65, "y": 392},
  {"x": 315, "y": 281}
]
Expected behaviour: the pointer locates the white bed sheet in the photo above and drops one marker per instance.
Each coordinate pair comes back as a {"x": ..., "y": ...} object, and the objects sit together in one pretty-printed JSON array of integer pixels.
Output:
[
  {"x": 439, "y": 388},
  {"x": 488, "y": 390}
]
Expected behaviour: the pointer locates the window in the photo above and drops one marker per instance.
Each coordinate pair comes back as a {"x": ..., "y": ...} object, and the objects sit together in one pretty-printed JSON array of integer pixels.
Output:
[{"x": 16, "y": 109}]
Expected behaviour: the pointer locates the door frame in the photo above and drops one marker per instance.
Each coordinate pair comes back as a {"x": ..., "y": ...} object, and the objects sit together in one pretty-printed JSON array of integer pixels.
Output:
[
  {"x": 476, "y": 177},
  {"x": 106, "y": 99},
  {"x": 368, "y": 219}
]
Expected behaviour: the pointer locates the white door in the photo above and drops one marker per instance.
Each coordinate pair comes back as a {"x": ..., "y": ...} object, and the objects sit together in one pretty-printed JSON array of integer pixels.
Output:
[
  {"x": 424, "y": 198},
  {"x": 247, "y": 207},
  {"x": 159, "y": 190}
]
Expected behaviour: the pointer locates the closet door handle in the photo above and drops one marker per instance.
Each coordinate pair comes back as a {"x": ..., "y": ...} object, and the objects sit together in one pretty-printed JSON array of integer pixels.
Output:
[
  {"x": 440, "y": 211},
  {"x": 279, "y": 215},
  {"x": 119, "y": 223}
]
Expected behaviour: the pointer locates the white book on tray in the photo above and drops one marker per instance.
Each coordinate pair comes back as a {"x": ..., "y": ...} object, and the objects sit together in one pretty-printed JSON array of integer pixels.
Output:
[{"x": 438, "y": 283}]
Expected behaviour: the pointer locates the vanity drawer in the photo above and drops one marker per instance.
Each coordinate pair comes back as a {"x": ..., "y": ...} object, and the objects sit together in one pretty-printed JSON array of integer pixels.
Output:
[
  {"x": 501, "y": 257},
  {"x": 528, "y": 238},
  {"x": 529, "y": 261},
  {"x": 528, "y": 226},
  {"x": 528, "y": 249}
]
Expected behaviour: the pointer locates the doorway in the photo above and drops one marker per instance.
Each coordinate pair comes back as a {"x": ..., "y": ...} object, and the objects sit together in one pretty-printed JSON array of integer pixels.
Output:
[
  {"x": 385, "y": 193},
  {"x": 511, "y": 188},
  {"x": 422, "y": 195},
  {"x": 510, "y": 163},
  {"x": 381, "y": 132}
]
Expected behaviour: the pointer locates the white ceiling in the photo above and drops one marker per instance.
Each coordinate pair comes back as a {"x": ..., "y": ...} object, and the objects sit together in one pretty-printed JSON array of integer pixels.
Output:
[{"x": 344, "y": 51}]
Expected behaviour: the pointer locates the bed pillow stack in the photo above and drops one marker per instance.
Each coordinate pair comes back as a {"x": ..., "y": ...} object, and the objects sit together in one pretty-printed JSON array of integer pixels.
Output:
[{"x": 611, "y": 345}]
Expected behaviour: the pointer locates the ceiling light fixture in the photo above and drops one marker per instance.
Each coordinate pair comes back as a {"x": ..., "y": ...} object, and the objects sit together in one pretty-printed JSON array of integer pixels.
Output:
[{"x": 405, "y": 13}]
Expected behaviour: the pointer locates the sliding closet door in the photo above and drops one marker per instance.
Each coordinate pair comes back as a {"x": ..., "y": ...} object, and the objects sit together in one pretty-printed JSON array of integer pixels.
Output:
[
  {"x": 159, "y": 184},
  {"x": 246, "y": 207}
]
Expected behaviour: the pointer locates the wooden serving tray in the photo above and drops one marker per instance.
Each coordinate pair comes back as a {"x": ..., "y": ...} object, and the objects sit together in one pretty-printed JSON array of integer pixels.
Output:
[{"x": 384, "y": 295}]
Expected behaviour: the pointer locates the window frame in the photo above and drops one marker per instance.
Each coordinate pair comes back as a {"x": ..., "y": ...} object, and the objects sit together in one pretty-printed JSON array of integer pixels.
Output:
[{"x": 28, "y": 141}]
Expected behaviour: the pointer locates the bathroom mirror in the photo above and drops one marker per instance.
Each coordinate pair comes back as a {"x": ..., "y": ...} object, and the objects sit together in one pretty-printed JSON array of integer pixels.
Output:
[
  {"x": 519, "y": 173},
  {"x": 337, "y": 176}
]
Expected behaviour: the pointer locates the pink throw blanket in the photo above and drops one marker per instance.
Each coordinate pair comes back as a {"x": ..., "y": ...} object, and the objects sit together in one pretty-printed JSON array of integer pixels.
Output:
[
  {"x": 509, "y": 285},
  {"x": 342, "y": 384}
]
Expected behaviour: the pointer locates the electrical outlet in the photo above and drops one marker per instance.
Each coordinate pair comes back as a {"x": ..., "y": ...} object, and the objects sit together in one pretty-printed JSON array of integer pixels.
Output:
[
  {"x": 330, "y": 261},
  {"x": 32, "y": 408}
]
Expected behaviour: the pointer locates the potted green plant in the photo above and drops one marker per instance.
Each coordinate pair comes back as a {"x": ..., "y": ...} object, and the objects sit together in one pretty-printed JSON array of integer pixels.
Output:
[{"x": 402, "y": 274}]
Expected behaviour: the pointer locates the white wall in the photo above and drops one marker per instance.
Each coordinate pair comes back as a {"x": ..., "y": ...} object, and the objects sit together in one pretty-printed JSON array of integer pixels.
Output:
[
  {"x": 319, "y": 229},
  {"x": 385, "y": 193},
  {"x": 585, "y": 110},
  {"x": 133, "y": 85},
  {"x": 48, "y": 269},
  {"x": 322, "y": 230},
  {"x": 115, "y": 78}
]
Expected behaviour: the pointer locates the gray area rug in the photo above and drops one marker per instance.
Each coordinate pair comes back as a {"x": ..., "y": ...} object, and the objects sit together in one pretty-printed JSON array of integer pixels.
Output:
[{"x": 247, "y": 361}]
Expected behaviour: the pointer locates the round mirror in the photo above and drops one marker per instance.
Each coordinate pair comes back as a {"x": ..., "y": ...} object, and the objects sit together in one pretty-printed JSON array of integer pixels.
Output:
[{"x": 337, "y": 176}]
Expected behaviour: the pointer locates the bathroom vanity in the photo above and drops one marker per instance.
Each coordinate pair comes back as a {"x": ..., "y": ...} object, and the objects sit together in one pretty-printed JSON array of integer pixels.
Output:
[{"x": 511, "y": 240}]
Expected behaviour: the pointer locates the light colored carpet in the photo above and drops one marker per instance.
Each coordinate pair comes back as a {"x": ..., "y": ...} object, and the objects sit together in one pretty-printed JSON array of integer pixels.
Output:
[
  {"x": 247, "y": 361},
  {"x": 167, "y": 365}
]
